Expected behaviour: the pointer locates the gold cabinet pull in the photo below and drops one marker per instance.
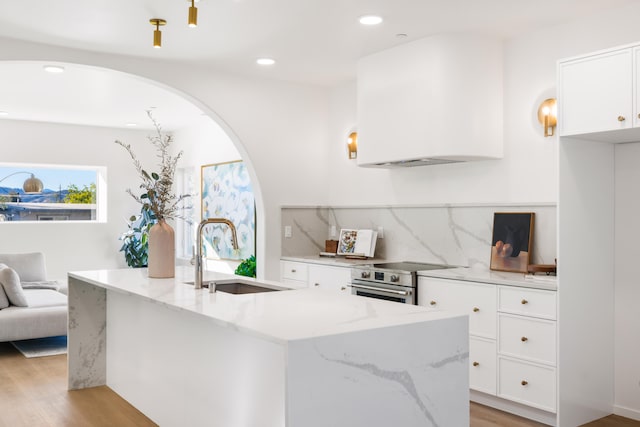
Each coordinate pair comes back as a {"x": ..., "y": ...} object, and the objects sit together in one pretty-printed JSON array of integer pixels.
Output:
[
  {"x": 524, "y": 301},
  {"x": 293, "y": 270},
  {"x": 316, "y": 284},
  {"x": 476, "y": 309},
  {"x": 343, "y": 288},
  {"x": 639, "y": 116},
  {"x": 524, "y": 382},
  {"x": 432, "y": 302},
  {"x": 524, "y": 339},
  {"x": 476, "y": 364},
  {"x": 621, "y": 118}
]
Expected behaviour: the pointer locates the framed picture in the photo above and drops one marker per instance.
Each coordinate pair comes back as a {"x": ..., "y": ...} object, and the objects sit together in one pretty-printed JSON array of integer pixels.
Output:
[
  {"x": 227, "y": 193},
  {"x": 512, "y": 241}
]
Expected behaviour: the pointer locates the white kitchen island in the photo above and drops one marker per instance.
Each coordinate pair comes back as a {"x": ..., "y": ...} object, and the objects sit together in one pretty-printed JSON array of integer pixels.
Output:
[{"x": 295, "y": 358}]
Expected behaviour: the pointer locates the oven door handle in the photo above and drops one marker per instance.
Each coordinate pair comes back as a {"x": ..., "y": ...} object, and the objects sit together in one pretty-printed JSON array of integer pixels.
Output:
[{"x": 371, "y": 288}]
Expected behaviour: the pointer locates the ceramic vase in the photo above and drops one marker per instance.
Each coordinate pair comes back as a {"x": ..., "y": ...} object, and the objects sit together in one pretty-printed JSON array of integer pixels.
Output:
[{"x": 162, "y": 251}]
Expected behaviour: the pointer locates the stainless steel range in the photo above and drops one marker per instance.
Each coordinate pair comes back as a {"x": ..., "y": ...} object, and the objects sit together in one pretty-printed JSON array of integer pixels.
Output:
[{"x": 391, "y": 281}]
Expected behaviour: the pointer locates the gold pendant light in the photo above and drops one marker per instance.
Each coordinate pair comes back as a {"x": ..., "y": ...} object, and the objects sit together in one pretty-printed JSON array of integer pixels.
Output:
[
  {"x": 157, "y": 34},
  {"x": 193, "y": 15}
]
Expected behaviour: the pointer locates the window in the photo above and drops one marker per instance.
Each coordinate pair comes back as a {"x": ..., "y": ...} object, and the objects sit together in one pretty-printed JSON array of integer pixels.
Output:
[
  {"x": 185, "y": 230},
  {"x": 31, "y": 192}
]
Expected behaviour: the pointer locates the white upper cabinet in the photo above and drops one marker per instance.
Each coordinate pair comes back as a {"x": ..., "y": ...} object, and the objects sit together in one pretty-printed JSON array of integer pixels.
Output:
[
  {"x": 433, "y": 100},
  {"x": 596, "y": 93},
  {"x": 599, "y": 95}
]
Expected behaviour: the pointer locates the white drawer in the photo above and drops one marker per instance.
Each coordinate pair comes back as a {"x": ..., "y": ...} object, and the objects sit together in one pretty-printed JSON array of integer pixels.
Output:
[
  {"x": 294, "y": 270},
  {"x": 527, "y": 302},
  {"x": 294, "y": 284},
  {"x": 527, "y": 338},
  {"x": 526, "y": 383},
  {"x": 478, "y": 300},
  {"x": 326, "y": 277},
  {"x": 482, "y": 365}
]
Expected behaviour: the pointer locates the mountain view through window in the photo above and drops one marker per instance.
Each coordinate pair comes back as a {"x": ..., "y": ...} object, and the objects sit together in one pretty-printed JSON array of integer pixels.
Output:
[{"x": 42, "y": 193}]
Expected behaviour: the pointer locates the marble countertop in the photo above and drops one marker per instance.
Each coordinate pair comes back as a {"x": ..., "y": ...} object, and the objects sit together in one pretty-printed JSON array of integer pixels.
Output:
[
  {"x": 276, "y": 316},
  {"x": 483, "y": 275},
  {"x": 337, "y": 261}
]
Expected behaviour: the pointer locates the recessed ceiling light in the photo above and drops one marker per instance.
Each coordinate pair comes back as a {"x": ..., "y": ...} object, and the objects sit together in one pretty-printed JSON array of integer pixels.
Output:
[
  {"x": 401, "y": 35},
  {"x": 4, "y": 113},
  {"x": 53, "y": 69},
  {"x": 131, "y": 125},
  {"x": 265, "y": 61},
  {"x": 370, "y": 20}
]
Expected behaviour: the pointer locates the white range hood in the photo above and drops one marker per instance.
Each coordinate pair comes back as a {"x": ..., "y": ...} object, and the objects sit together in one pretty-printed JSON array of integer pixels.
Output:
[{"x": 431, "y": 101}]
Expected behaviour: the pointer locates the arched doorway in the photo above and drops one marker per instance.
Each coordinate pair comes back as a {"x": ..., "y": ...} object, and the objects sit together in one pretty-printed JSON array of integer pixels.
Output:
[{"x": 55, "y": 111}]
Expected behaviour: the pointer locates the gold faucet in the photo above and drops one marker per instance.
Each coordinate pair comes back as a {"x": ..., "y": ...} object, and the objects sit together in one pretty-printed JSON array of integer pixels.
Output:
[{"x": 198, "y": 263}]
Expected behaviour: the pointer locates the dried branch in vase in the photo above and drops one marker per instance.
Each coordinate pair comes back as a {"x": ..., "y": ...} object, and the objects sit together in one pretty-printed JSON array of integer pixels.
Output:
[{"x": 158, "y": 195}]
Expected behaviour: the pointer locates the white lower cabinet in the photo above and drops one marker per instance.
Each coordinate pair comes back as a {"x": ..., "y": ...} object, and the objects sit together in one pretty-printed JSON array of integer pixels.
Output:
[
  {"x": 527, "y": 346},
  {"x": 482, "y": 365},
  {"x": 297, "y": 274},
  {"x": 527, "y": 338},
  {"x": 527, "y": 383},
  {"x": 328, "y": 277},
  {"x": 512, "y": 337},
  {"x": 294, "y": 274},
  {"x": 478, "y": 301}
]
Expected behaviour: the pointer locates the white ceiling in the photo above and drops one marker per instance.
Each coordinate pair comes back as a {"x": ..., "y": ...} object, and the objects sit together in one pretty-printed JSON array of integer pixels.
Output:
[{"x": 313, "y": 41}]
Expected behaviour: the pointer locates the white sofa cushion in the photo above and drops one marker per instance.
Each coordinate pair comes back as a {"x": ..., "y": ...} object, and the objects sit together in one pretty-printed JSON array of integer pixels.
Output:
[
  {"x": 48, "y": 284},
  {"x": 30, "y": 267},
  {"x": 4, "y": 301},
  {"x": 20, "y": 323},
  {"x": 44, "y": 298},
  {"x": 10, "y": 281}
]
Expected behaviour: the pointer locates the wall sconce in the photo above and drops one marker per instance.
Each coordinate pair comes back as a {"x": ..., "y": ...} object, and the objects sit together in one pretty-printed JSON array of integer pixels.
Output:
[
  {"x": 157, "y": 34},
  {"x": 548, "y": 116},
  {"x": 352, "y": 145},
  {"x": 193, "y": 15}
]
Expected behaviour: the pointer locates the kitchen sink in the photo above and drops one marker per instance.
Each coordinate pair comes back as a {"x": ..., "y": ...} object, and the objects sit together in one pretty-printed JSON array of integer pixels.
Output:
[
  {"x": 241, "y": 288},
  {"x": 235, "y": 287}
]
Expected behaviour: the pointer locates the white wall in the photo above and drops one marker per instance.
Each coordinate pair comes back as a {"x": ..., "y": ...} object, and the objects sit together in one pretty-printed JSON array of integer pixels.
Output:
[
  {"x": 78, "y": 245},
  {"x": 627, "y": 300}
]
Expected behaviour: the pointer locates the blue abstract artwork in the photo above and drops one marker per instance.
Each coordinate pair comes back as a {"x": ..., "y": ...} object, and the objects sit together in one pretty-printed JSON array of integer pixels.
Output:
[{"x": 227, "y": 193}]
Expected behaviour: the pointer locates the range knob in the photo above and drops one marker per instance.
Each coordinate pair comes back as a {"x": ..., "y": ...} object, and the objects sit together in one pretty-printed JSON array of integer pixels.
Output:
[
  {"x": 365, "y": 274},
  {"x": 394, "y": 278}
]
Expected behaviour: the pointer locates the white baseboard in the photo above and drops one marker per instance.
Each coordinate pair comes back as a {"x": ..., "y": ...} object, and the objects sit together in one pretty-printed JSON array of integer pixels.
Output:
[
  {"x": 634, "y": 414},
  {"x": 514, "y": 408}
]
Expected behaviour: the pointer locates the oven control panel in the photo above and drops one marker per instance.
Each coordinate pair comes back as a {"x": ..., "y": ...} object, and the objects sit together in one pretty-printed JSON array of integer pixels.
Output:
[{"x": 381, "y": 276}]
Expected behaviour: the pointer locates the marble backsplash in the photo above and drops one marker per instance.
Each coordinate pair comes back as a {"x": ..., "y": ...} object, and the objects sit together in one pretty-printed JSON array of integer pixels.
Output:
[{"x": 444, "y": 234}]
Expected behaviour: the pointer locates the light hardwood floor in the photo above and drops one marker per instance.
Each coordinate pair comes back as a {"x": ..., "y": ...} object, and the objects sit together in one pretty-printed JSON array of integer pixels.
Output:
[{"x": 33, "y": 393}]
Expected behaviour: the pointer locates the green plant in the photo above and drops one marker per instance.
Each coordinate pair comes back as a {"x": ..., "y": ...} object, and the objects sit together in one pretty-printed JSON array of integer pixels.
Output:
[
  {"x": 86, "y": 194},
  {"x": 247, "y": 267},
  {"x": 135, "y": 241}
]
